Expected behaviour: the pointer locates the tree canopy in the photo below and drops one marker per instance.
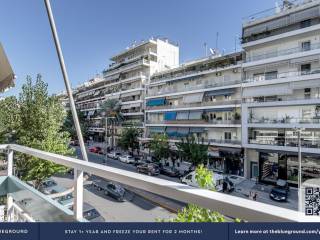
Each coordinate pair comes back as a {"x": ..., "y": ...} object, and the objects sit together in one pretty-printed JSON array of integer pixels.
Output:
[
  {"x": 159, "y": 145},
  {"x": 129, "y": 139}
]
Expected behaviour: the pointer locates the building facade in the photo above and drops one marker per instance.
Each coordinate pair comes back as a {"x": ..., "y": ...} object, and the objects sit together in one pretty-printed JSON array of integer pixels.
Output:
[
  {"x": 280, "y": 93},
  {"x": 125, "y": 80},
  {"x": 201, "y": 98}
]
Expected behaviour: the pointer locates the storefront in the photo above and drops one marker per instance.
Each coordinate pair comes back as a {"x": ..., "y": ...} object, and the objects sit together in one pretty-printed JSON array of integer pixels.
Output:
[{"x": 284, "y": 165}]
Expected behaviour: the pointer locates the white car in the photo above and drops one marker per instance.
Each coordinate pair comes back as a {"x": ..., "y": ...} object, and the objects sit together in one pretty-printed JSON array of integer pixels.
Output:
[
  {"x": 190, "y": 179},
  {"x": 114, "y": 155},
  {"x": 127, "y": 159}
]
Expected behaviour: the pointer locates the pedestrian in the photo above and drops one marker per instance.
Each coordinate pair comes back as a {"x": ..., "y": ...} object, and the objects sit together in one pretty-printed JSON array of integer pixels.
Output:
[{"x": 254, "y": 197}]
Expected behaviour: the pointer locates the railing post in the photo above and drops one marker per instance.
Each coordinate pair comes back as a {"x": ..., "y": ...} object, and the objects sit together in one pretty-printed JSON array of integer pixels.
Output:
[
  {"x": 78, "y": 194},
  {"x": 10, "y": 213}
]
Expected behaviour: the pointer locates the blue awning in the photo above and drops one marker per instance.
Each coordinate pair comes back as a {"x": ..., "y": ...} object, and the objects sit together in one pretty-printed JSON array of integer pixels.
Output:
[
  {"x": 221, "y": 92},
  {"x": 169, "y": 116},
  {"x": 172, "y": 131},
  {"x": 156, "y": 102},
  {"x": 183, "y": 132},
  {"x": 220, "y": 110}
]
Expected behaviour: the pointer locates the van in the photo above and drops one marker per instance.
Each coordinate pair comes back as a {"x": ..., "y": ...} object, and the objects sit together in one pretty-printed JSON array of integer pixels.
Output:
[{"x": 190, "y": 179}]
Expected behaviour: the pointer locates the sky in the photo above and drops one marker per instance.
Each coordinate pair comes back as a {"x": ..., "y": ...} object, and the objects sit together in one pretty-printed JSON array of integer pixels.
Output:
[{"x": 91, "y": 31}]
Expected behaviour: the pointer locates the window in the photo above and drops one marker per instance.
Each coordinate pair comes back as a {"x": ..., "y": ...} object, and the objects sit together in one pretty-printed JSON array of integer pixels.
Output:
[
  {"x": 305, "y": 69},
  {"x": 306, "y": 46},
  {"x": 271, "y": 75},
  {"x": 227, "y": 135},
  {"x": 305, "y": 23},
  {"x": 307, "y": 93}
]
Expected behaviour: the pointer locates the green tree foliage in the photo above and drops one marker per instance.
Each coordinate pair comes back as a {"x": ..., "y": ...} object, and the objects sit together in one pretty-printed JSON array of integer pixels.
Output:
[
  {"x": 9, "y": 120},
  {"x": 204, "y": 177},
  {"x": 37, "y": 120},
  {"x": 159, "y": 145},
  {"x": 129, "y": 139},
  {"x": 193, "y": 151},
  {"x": 68, "y": 125}
]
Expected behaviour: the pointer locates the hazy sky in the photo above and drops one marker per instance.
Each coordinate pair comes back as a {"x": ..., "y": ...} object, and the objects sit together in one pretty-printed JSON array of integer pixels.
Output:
[{"x": 93, "y": 30}]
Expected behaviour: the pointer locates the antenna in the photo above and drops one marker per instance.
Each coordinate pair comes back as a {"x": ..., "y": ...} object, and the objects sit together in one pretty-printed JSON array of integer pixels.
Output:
[
  {"x": 205, "y": 49},
  {"x": 217, "y": 39}
]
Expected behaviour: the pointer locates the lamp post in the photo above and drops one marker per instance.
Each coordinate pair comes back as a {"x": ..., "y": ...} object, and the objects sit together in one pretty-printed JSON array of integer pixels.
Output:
[
  {"x": 106, "y": 137},
  {"x": 298, "y": 131}
]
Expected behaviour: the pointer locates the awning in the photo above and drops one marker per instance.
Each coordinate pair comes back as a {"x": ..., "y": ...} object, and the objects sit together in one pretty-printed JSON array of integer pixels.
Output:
[
  {"x": 182, "y": 132},
  {"x": 221, "y": 92},
  {"x": 183, "y": 115},
  {"x": 129, "y": 94},
  {"x": 156, "y": 129},
  {"x": 196, "y": 130},
  {"x": 168, "y": 116},
  {"x": 220, "y": 110},
  {"x": 307, "y": 59},
  {"x": 195, "y": 115},
  {"x": 193, "y": 98},
  {"x": 6, "y": 72},
  {"x": 267, "y": 90},
  {"x": 156, "y": 102}
]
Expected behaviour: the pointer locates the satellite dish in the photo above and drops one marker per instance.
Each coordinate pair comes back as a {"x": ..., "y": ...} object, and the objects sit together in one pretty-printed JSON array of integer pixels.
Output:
[{"x": 212, "y": 51}]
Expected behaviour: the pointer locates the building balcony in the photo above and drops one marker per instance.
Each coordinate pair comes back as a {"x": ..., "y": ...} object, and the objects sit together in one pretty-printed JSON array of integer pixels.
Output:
[
  {"x": 232, "y": 123},
  {"x": 286, "y": 120},
  {"x": 127, "y": 67},
  {"x": 283, "y": 52},
  {"x": 202, "y": 105},
  {"x": 28, "y": 199},
  {"x": 167, "y": 90},
  {"x": 286, "y": 142}
]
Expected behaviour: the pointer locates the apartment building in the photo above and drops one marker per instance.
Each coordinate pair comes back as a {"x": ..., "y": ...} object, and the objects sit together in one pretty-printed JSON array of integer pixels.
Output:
[
  {"x": 281, "y": 92},
  {"x": 125, "y": 80},
  {"x": 201, "y": 98}
]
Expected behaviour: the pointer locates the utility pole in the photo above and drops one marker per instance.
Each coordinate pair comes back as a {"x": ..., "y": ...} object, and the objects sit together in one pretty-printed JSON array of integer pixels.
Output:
[{"x": 300, "y": 197}]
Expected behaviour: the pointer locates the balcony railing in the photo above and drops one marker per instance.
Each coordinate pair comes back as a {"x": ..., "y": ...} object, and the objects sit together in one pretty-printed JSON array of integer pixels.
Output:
[
  {"x": 282, "y": 75},
  {"x": 202, "y": 104},
  {"x": 191, "y": 121},
  {"x": 287, "y": 142},
  {"x": 226, "y": 204},
  {"x": 220, "y": 82},
  {"x": 286, "y": 120},
  {"x": 282, "y": 52},
  {"x": 279, "y": 99},
  {"x": 125, "y": 67}
]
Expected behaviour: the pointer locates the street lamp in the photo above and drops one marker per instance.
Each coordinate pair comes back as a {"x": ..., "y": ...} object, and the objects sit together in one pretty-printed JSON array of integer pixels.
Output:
[{"x": 299, "y": 131}]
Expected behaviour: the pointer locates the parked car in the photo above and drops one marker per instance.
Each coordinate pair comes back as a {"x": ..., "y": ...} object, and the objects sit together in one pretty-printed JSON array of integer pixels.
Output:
[
  {"x": 66, "y": 200},
  {"x": 115, "y": 191},
  {"x": 114, "y": 155},
  {"x": 281, "y": 191},
  {"x": 90, "y": 213},
  {"x": 139, "y": 161},
  {"x": 190, "y": 179},
  {"x": 279, "y": 194},
  {"x": 148, "y": 168},
  {"x": 47, "y": 186},
  {"x": 74, "y": 143},
  {"x": 127, "y": 159},
  {"x": 97, "y": 150},
  {"x": 170, "y": 171}
]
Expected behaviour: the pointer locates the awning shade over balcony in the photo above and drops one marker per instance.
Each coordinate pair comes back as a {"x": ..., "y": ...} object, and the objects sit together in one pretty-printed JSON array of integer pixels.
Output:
[
  {"x": 305, "y": 84},
  {"x": 156, "y": 102},
  {"x": 168, "y": 116},
  {"x": 268, "y": 90},
  {"x": 195, "y": 115},
  {"x": 183, "y": 115},
  {"x": 6, "y": 73},
  {"x": 193, "y": 98},
  {"x": 221, "y": 92},
  {"x": 182, "y": 132}
]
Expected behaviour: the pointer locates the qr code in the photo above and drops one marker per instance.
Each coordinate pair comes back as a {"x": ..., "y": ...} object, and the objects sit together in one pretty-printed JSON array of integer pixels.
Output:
[{"x": 312, "y": 201}]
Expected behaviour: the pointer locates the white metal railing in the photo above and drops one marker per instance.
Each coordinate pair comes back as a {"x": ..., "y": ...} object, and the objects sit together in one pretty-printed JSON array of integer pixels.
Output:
[{"x": 223, "y": 203}]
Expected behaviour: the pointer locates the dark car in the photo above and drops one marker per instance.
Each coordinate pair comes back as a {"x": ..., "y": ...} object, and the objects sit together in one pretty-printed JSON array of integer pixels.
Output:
[
  {"x": 228, "y": 185},
  {"x": 96, "y": 150},
  {"x": 148, "y": 168},
  {"x": 279, "y": 194},
  {"x": 91, "y": 214},
  {"x": 169, "y": 171},
  {"x": 115, "y": 191}
]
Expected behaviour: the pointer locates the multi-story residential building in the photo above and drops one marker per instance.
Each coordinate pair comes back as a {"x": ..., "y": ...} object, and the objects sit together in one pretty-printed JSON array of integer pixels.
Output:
[
  {"x": 125, "y": 81},
  {"x": 201, "y": 98},
  {"x": 281, "y": 92}
]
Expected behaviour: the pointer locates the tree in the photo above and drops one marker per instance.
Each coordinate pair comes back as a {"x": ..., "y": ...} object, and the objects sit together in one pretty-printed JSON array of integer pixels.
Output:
[
  {"x": 68, "y": 125},
  {"x": 9, "y": 120},
  {"x": 111, "y": 110},
  {"x": 193, "y": 151},
  {"x": 159, "y": 145},
  {"x": 40, "y": 122},
  {"x": 129, "y": 139}
]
